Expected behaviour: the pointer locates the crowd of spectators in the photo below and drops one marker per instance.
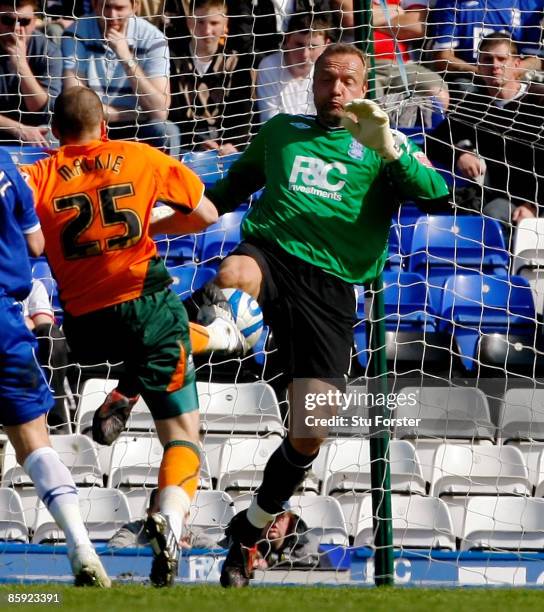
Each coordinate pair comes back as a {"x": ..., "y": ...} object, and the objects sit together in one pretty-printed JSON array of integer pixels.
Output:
[{"x": 193, "y": 75}]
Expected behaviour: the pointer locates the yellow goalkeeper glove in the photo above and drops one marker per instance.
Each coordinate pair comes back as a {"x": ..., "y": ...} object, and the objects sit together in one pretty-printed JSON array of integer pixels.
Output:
[{"x": 371, "y": 128}]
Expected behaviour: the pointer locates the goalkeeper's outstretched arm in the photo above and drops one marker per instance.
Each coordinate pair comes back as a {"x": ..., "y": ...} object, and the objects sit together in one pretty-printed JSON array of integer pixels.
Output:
[{"x": 412, "y": 175}]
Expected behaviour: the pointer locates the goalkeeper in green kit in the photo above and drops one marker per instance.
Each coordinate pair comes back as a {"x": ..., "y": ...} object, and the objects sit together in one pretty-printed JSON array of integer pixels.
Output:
[{"x": 331, "y": 185}]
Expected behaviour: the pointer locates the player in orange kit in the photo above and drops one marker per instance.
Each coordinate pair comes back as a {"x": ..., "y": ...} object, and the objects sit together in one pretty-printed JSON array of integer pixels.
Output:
[{"x": 95, "y": 201}]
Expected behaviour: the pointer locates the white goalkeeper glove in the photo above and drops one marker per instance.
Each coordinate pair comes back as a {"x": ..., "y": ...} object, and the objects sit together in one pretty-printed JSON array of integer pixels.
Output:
[{"x": 371, "y": 128}]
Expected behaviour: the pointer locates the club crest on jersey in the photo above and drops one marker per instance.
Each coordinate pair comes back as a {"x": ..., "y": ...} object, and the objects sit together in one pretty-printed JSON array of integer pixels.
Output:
[
  {"x": 356, "y": 149},
  {"x": 300, "y": 125}
]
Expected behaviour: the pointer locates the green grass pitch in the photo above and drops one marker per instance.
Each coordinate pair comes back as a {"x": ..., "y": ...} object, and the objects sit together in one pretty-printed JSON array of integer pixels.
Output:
[{"x": 211, "y": 598}]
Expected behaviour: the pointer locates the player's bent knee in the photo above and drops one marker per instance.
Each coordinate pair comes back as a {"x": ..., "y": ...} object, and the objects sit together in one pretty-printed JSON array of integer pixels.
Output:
[{"x": 239, "y": 272}]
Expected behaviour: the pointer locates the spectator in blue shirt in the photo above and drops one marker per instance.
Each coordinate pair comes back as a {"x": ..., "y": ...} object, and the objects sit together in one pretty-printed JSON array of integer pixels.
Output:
[
  {"x": 460, "y": 26},
  {"x": 125, "y": 60},
  {"x": 30, "y": 71},
  {"x": 532, "y": 16}
]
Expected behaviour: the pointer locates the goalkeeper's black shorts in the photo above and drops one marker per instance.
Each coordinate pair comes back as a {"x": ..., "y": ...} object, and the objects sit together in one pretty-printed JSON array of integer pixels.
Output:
[{"x": 310, "y": 311}]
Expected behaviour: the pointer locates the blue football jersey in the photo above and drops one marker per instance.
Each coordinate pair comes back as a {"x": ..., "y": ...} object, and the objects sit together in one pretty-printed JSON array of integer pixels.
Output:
[
  {"x": 530, "y": 38},
  {"x": 461, "y": 25},
  {"x": 17, "y": 218}
]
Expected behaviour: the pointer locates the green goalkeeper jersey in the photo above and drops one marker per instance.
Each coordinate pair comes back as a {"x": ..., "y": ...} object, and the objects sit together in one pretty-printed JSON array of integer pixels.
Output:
[{"x": 326, "y": 199}]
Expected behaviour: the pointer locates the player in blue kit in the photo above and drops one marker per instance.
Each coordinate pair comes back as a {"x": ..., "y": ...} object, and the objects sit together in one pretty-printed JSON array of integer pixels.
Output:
[{"x": 25, "y": 398}]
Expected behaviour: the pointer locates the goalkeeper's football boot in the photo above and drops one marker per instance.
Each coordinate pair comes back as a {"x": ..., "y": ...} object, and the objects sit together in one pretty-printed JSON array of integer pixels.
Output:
[
  {"x": 164, "y": 568},
  {"x": 216, "y": 307},
  {"x": 87, "y": 568},
  {"x": 111, "y": 417},
  {"x": 238, "y": 566}
]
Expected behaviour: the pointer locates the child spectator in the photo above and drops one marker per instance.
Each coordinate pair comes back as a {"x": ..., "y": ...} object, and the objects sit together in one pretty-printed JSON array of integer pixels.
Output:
[
  {"x": 284, "y": 78},
  {"x": 211, "y": 88}
]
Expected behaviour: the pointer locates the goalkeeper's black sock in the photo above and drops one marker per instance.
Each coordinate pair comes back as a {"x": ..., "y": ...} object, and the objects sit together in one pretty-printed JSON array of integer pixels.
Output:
[{"x": 283, "y": 474}]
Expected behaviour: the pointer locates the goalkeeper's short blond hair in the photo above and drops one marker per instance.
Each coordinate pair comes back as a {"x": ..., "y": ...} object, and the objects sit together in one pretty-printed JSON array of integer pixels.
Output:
[{"x": 343, "y": 49}]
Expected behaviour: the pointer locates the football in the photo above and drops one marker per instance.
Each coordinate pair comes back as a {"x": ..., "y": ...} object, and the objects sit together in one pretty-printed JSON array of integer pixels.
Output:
[{"x": 247, "y": 314}]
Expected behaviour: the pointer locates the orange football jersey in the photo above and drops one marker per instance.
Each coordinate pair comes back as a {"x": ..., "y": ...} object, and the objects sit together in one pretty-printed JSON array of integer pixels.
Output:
[{"x": 94, "y": 202}]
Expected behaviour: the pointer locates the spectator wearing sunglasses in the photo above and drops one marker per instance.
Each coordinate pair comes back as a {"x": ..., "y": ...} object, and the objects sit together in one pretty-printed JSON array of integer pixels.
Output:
[{"x": 30, "y": 73}]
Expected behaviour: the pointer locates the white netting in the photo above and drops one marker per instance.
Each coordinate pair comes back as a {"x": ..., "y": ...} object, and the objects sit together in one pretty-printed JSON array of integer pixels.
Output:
[{"x": 463, "y": 292}]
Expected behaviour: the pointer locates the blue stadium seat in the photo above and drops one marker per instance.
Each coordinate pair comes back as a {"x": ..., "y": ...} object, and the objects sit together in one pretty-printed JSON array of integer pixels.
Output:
[
  {"x": 26, "y": 155},
  {"x": 476, "y": 308},
  {"x": 407, "y": 303},
  {"x": 228, "y": 160},
  {"x": 176, "y": 250},
  {"x": 441, "y": 244},
  {"x": 405, "y": 220},
  {"x": 221, "y": 237},
  {"x": 190, "y": 277},
  {"x": 394, "y": 255},
  {"x": 360, "y": 344},
  {"x": 209, "y": 165},
  {"x": 359, "y": 331},
  {"x": 411, "y": 324}
]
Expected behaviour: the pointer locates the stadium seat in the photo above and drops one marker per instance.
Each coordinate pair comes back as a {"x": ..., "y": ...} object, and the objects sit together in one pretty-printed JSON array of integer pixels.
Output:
[
  {"x": 441, "y": 244},
  {"x": 135, "y": 462},
  {"x": 407, "y": 303},
  {"x": 178, "y": 250},
  {"x": 503, "y": 523},
  {"x": 521, "y": 423},
  {"x": 77, "y": 452},
  {"x": 347, "y": 467},
  {"x": 485, "y": 470},
  {"x": 207, "y": 164},
  {"x": 346, "y": 473},
  {"x": 405, "y": 222},
  {"x": 323, "y": 516},
  {"x": 457, "y": 414},
  {"x": 492, "y": 319},
  {"x": 242, "y": 408},
  {"x": 23, "y": 155},
  {"x": 418, "y": 522},
  {"x": 242, "y": 463},
  {"x": 188, "y": 278},
  {"x": 411, "y": 325},
  {"x": 222, "y": 237},
  {"x": 104, "y": 511},
  {"x": 539, "y": 480},
  {"x": 528, "y": 257},
  {"x": 211, "y": 512},
  {"x": 394, "y": 261},
  {"x": 12, "y": 520},
  {"x": 360, "y": 345}
]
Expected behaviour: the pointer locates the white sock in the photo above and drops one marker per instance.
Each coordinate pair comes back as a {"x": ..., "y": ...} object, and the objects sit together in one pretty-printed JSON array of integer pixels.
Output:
[
  {"x": 221, "y": 336},
  {"x": 257, "y": 516},
  {"x": 57, "y": 490},
  {"x": 175, "y": 504}
]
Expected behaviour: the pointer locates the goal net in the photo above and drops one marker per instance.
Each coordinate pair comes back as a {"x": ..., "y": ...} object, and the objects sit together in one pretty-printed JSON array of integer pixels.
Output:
[{"x": 461, "y": 308}]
